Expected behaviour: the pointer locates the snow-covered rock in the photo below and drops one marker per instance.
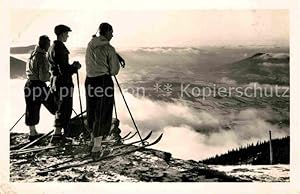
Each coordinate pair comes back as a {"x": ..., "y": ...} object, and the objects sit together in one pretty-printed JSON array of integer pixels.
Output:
[{"x": 148, "y": 165}]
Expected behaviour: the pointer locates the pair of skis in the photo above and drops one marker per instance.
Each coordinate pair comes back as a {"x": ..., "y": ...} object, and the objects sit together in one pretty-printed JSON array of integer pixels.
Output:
[
  {"x": 25, "y": 149},
  {"x": 87, "y": 160}
]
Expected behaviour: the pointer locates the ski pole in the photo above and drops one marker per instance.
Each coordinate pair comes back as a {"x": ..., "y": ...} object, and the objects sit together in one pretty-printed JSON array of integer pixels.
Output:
[
  {"x": 115, "y": 108},
  {"x": 81, "y": 113},
  {"x": 17, "y": 122},
  {"x": 78, "y": 115},
  {"x": 75, "y": 112},
  {"x": 129, "y": 110}
]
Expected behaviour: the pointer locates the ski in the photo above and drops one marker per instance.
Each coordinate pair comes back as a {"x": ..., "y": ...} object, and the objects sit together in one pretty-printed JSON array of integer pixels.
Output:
[
  {"x": 16, "y": 147},
  {"x": 23, "y": 146},
  {"x": 125, "y": 136},
  {"x": 36, "y": 149},
  {"x": 122, "y": 138},
  {"x": 25, "y": 151},
  {"x": 134, "y": 142},
  {"x": 117, "y": 146},
  {"x": 29, "y": 150},
  {"x": 90, "y": 161},
  {"x": 114, "y": 148},
  {"x": 37, "y": 140},
  {"x": 125, "y": 139}
]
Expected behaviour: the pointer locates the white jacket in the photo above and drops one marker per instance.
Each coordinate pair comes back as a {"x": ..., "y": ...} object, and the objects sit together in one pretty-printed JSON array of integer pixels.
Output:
[
  {"x": 101, "y": 58},
  {"x": 37, "y": 66}
]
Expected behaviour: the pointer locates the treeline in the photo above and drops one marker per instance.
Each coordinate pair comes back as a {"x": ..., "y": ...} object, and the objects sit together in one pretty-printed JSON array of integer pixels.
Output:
[{"x": 255, "y": 154}]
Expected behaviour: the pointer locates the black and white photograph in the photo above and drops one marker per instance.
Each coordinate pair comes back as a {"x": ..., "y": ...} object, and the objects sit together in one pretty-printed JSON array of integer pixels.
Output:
[{"x": 102, "y": 92}]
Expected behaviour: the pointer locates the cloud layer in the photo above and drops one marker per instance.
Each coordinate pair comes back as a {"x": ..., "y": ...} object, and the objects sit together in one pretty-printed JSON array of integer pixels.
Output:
[
  {"x": 197, "y": 134},
  {"x": 188, "y": 133}
]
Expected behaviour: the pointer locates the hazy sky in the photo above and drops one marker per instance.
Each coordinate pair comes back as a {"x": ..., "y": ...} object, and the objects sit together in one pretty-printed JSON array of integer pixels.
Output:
[{"x": 138, "y": 27}]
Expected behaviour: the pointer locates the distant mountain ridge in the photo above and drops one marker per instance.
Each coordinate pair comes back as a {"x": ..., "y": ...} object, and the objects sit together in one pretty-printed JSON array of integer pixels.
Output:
[
  {"x": 22, "y": 50},
  {"x": 264, "y": 68}
]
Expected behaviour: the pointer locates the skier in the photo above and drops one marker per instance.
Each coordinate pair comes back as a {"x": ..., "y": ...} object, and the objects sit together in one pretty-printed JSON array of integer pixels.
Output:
[
  {"x": 102, "y": 61},
  {"x": 61, "y": 82},
  {"x": 35, "y": 90}
]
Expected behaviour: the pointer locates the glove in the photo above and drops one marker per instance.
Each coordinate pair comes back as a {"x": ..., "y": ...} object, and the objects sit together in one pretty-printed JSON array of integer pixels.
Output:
[
  {"x": 48, "y": 83},
  {"x": 76, "y": 64},
  {"x": 121, "y": 60}
]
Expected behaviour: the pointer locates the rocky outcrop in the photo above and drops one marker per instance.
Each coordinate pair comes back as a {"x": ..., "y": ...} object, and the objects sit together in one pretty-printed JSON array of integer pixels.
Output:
[{"x": 148, "y": 165}]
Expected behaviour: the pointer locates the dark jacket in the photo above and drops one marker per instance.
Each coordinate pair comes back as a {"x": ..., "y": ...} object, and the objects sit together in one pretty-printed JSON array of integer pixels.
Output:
[{"x": 59, "y": 62}]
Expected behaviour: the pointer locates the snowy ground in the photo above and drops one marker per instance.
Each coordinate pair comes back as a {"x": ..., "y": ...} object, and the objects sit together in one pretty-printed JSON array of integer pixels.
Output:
[
  {"x": 257, "y": 173},
  {"x": 148, "y": 165}
]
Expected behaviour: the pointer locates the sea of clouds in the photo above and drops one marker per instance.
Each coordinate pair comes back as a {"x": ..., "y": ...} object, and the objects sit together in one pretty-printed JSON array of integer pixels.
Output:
[{"x": 183, "y": 126}]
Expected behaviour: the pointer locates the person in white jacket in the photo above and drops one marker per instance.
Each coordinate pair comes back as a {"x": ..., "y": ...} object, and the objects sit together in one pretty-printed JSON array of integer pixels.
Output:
[
  {"x": 35, "y": 90},
  {"x": 102, "y": 61}
]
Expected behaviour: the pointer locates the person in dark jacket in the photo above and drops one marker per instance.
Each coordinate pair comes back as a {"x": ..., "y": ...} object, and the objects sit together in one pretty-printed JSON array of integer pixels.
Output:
[
  {"x": 61, "y": 82},
  {"x": 35, "y": 90}
]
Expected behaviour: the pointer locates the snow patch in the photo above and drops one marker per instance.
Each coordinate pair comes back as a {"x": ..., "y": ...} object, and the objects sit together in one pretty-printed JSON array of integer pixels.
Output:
[{"x": 257, "y": 173}]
